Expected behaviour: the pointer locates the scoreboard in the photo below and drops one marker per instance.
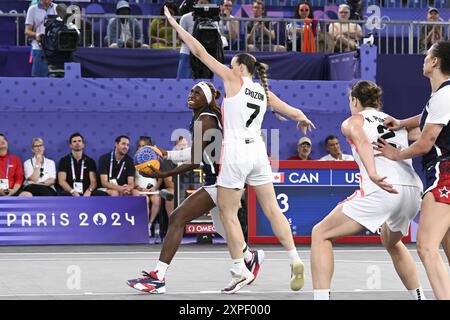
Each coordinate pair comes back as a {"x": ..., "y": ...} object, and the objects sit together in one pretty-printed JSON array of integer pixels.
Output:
[{"x": 306, "y": 192}]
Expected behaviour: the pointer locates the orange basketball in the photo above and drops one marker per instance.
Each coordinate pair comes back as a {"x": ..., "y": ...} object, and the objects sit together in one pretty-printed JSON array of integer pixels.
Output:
[{"x": 147, "y": 156}]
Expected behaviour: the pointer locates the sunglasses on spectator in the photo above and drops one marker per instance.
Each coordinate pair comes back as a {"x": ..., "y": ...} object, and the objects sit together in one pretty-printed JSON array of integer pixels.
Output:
[
  {"x": 42, "y": 173},
  {"x": 38, "y": 145},
  {"x": 304, "y": 10}
]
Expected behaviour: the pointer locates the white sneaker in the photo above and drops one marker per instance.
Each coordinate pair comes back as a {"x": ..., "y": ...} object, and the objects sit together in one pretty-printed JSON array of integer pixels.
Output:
[
  {"x": 238, "y": 281},
  {"x": 297, "y": 276}
]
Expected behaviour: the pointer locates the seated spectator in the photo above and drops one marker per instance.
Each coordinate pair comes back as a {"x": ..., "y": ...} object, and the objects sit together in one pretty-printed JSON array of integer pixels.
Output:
[
  {"x": 116, "y": 169},
  {"x": 304, "y": 148},
  {"x": 334, "y": 150},
  {"x": 11, "y": 171},
  {"x": 161, "y": 33},
  {"x": 304, "y": 33},
  {"x": 77, "y": 174},
  {"x": 261, "y": 35},
  {"x": 431, "y": 33},
  {"x": 40, "y": 172},
  {"x": 229, "y": 29},
  {"x": 124, "y": 32},
  {"x": 145, "y": 184},
  {"x": 345, "y": 34}
]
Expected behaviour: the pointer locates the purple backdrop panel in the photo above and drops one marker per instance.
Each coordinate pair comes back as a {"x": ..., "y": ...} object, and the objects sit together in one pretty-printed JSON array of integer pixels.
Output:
[
  {"x": 51, "y": 108},
  {"x": 68, "y": 220},
  {"x": 343, "y": 66},
  {"x": 144, "y": 95},
  {"x": 145, "y": 63}
]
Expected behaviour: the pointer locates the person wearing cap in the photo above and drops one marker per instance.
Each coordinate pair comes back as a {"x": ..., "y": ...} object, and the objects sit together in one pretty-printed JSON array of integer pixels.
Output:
[
  {"x": 334, "y": 150},
  {"x": 124, "y": 32},
  {"x": 430, "y": 33},
  {"x": 304, "y": 147}
]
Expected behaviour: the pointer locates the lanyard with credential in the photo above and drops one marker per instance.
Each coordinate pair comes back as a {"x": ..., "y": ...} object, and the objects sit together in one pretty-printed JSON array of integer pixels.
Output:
[
  {"x": 7, "y": 167},
  {"x": 73, "y": 170},
  {"x": 111, "y": 167}
]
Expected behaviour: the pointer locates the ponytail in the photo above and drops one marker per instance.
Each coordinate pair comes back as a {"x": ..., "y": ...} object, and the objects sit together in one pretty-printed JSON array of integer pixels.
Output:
[{"x": 262, "y": 68}]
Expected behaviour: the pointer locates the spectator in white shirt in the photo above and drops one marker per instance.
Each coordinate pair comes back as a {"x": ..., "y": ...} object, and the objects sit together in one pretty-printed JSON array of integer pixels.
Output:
[
  {"x": 40, "y": 172},
  {"x": 334, "y": 150}
]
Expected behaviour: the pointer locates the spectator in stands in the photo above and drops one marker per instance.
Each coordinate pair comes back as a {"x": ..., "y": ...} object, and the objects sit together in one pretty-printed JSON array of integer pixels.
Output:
[
  {"x": 11, "y": 172},
  {"x": 40, "y": 172},
  {"x": 77, "y": 174},
  {"x": 304, "y": 147},
  {"x": 345, "y": 34},
  {"x": 124, "y": 32},
  {"x": 334, "y": 150},
  {"x": 229, "y": 29},
  {"x": 301, "y": 30},
  {"x": 187, "y": 23},
  {"x": 261, "y": 35},
  {"x": 116, "y": 169},
  {"x": 35, "y": 29},
  {"x": 181, "y": 143},
  {"x": 145, "y": 184},
  {"x": 431, "y": 33},
  {"x": 161, "y": 33}
]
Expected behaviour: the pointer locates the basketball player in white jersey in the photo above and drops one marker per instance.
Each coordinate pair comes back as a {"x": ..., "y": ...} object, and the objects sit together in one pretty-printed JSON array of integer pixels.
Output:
[
  {"x": 244, "y": 157},
  {"x": 390, "y": 201}
]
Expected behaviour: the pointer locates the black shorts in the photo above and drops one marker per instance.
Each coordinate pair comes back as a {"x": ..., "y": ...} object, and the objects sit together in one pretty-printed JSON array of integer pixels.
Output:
[{"x": 38, "y": 190}]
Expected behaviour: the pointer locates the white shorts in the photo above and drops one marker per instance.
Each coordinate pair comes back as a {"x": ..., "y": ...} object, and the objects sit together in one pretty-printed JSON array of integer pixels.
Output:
[
  {"x": 379, "y": 207},
  {"x": 212, "y": 191},
  {"x": 243, "y": 163}
]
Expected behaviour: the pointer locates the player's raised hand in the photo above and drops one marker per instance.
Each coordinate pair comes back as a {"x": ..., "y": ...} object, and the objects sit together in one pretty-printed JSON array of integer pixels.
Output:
[{"x": 169, "y": 16}]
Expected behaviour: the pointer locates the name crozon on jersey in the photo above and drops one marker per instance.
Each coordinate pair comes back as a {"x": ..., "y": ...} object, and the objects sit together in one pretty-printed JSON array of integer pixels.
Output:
[
  {"x": 243, "y": 114},
  {"x": 244, "y": 157},
  {"x": 397, "y": 172}
]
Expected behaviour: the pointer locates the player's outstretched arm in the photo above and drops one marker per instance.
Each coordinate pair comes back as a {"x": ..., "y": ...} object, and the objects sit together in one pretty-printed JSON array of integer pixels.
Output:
[
  {"x": 293, "y": 113},
  {"x": 352, "y": 128},
  {"x": 395, "y": 124},
  {"x": 199, "y": 51}
]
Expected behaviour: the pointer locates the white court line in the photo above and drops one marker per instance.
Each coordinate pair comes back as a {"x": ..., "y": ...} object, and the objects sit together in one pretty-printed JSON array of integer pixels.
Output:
[
  {"x": 243, "y": 292},
  {"x": 185, "y": 252},
  {"x": 175, "y": 259}
]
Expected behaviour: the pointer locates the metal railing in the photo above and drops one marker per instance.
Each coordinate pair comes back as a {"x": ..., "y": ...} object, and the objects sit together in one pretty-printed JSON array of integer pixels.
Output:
[{"x": 391, "y": 37}]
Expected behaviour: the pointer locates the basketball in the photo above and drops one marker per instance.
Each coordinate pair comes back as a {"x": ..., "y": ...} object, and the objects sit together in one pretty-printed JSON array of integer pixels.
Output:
[{"x": 147, "y": 156}]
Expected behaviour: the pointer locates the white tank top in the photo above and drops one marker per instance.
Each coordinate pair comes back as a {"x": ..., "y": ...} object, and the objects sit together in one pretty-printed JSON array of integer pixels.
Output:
[
  {"x": 397, "y": 172},
  {"x": 243, "y": 114}
]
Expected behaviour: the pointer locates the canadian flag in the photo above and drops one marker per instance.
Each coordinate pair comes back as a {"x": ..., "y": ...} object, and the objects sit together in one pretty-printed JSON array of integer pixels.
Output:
[{"x": 278, "y": 177}]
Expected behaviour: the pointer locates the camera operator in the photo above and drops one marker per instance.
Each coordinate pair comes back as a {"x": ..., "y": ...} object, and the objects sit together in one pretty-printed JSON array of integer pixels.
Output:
[
  {"x": 188, "y": 23},
  {"x": 34, "y": 29},
  {"x": 59, "y": 41},
  {"x": 207, "y": 32}
]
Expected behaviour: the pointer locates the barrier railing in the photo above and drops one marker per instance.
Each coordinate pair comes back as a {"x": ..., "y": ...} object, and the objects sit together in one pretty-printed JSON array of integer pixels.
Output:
[{"x": 326, "y": 36}]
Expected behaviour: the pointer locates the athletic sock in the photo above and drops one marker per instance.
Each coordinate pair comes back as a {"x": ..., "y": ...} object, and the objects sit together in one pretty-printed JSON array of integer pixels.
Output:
[
  {"x": 293, "y": 256},
  {"x": 417, "y": 294},
  {"x": 248, "y": 256},
  {"x": 238, "y": 266},
  {"x": 322, "y": 294},
  {"x": 161, "y": 269}
]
